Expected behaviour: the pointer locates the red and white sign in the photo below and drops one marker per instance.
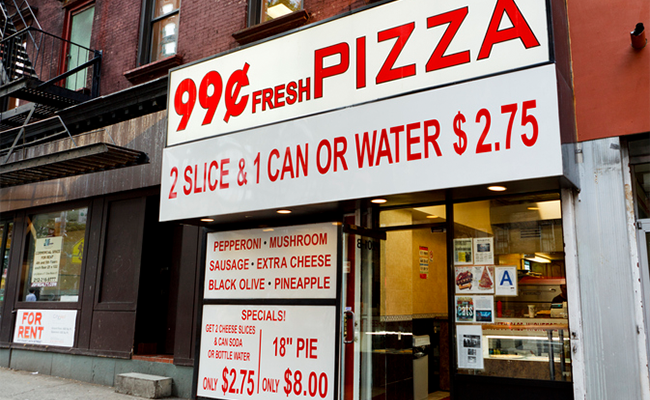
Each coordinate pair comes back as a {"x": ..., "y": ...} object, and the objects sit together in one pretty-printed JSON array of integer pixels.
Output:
[
  {"x": 45, "y": 327},
  {"x": 497, "y": 129},
  {"x": 381, "y": 52},
  {"x": 297, "y": 262},
  {"x": 267, "y": 352}
]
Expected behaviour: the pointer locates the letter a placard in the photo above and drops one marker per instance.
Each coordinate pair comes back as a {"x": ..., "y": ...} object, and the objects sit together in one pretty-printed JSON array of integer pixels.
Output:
[{"x": 506, "y": 281}]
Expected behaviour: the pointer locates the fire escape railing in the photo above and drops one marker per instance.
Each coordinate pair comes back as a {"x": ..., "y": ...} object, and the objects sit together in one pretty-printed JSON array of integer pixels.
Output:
[{"x": 35, "y": 54}]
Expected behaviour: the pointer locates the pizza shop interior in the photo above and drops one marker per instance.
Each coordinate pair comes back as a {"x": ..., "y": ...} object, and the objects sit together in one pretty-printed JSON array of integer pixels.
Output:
[{"x": 454, "y": 301}]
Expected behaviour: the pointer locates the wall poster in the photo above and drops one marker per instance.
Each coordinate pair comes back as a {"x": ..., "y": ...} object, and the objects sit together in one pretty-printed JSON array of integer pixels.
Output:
[
  {"x": 469, "y": 343},
  {"x": 47, "y": 259},
  {"x": 463, "y": 251},
  {"x": 484, "y": 250},
  {"x": 477, "y": 279}
]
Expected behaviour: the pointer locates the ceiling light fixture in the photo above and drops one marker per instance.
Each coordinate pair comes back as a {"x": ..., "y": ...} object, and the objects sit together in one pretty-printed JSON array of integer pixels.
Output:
[
  {"x": 284, "y": 211},
  {"x": 207, "y": 220},
  {"x": 497, "y": 188},
  {"x": 378, "y": 201}
]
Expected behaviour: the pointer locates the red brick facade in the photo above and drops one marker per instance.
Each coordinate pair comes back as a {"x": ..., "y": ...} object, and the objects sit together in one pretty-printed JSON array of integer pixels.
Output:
[{"x": 206, "y": 28}]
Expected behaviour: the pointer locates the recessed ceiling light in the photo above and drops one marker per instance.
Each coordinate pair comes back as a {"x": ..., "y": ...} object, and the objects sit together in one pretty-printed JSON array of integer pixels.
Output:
[
  {"x": 207, "y": 220},
  {"x": 432, "y": 216},
  {"x": 284, "y": 211},
  {"x": 378, "y": 201},
  {"x": 497, "y": 188},
  {"x": 267, "y": 230},
  {"x": 533, "y": 208}
]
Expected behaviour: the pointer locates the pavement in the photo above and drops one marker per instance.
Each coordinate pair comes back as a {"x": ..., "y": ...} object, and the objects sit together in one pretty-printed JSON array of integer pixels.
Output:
[{"x": 25, "y": 385}]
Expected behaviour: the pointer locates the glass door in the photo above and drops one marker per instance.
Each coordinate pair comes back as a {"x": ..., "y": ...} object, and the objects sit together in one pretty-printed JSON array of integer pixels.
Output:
[{"x": 395, "y": 309}]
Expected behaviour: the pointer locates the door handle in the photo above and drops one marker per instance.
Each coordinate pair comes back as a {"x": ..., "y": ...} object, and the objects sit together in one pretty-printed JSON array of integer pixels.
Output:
[{"x": 345, "y": 320}]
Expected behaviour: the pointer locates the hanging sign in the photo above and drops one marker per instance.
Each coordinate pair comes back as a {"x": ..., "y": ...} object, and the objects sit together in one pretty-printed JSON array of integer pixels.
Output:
[
  {"x": 47, "y": 259},
  {"x": 278, "y": 263},
  {"x": 267, "y": 352},
  {"x": 387, "y": 50}
]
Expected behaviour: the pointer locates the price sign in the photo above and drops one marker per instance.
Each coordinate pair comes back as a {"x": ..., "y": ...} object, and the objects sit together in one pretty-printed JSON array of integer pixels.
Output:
[{"x": 267, "y": 352}]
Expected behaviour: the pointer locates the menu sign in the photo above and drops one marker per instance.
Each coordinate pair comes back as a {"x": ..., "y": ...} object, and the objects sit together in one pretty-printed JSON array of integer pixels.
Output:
[
  {"x": 279, "y": 263},
  {"x": 267, "y": 352}
]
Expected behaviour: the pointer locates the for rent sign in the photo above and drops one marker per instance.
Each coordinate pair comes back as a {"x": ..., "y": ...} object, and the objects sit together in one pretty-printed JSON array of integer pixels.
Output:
[
  {"x": 496, "y": 129},
  {"x": 385, "y": 51},
  {"x": 45, "y": 327}
]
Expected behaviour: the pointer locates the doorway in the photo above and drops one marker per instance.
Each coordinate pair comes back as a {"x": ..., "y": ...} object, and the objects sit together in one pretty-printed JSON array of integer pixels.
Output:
[{"x": 396, "y": 327}]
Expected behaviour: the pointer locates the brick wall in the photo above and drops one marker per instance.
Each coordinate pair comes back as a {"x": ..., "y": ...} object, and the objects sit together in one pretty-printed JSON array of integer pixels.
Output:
[{"x": 205, "y": 29}]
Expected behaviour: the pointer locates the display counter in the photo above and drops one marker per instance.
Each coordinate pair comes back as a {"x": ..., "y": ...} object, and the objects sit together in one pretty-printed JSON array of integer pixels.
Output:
[{"x": 523, "y": 348}]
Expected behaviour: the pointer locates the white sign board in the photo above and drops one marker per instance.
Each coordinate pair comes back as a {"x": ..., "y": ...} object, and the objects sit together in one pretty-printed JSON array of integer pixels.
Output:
[
  {"x": 506, "y": 281},
  {"x": 45, "y": 327},
  {"x": 502, "y": 128},
  {"x": 267, "y": 352},
  {"x": 297, "y": 262},
  {"x": 381, "y": 52},
  {"x": 47, "y": 259}
]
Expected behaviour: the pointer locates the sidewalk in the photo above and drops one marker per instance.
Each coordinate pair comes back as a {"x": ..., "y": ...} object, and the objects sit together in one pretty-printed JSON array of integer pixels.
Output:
[{"x": 25, "y": 385}]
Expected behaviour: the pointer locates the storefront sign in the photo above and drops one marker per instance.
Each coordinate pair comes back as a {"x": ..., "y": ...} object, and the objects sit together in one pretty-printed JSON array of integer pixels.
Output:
[
  {"x": 47, "y": 258},
  {"x": 267, "y": 352},
  {"x": 497, "y": 129},
  {"x": 382, "y": 52},
  {"x": 45, "y": 327},
  {"x": 279, "y": 263}
]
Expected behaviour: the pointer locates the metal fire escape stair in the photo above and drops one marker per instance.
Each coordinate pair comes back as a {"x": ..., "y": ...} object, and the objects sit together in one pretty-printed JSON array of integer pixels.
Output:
[{"x": 36, "y": 68}]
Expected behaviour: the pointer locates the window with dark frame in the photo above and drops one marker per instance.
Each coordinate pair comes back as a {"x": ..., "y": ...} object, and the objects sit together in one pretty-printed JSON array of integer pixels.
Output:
[
  {"x": 159, "y": 32},
  {"x": 266, "y": 10}
]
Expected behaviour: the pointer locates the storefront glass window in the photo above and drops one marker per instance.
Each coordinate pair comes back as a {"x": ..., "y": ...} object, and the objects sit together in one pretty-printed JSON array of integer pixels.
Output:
[
  {"x": 510, "y": 300},
  {"x": 272, "y": 9},
  {"x": 642, "y": 190},
  {"x": 6, "y": 230},
  {"x": 53, "y": 256}
]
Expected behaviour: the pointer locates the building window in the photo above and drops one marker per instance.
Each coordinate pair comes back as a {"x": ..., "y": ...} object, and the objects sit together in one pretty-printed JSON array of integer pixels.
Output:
[
  {"x": 266, "y": 10},
  {"x": 80, "y": 30},
  {"x": 159, "y": 29},
  {"x": 53, "y": 256}
]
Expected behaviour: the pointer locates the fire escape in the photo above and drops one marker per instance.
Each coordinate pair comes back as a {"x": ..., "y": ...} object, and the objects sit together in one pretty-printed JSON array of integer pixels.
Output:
[{"x": 45, "y": 74}]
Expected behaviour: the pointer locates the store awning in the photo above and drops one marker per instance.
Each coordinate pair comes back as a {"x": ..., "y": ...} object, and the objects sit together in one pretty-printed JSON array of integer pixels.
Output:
[{"x": 76, "y": 161}]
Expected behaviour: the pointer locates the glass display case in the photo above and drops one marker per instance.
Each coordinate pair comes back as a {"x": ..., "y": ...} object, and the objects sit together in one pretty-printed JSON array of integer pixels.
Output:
[{"x": 524, "y": 348}]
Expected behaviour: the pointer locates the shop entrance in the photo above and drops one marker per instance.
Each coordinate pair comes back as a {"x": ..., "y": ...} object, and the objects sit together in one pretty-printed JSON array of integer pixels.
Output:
[{"x": 396, "y": 328}]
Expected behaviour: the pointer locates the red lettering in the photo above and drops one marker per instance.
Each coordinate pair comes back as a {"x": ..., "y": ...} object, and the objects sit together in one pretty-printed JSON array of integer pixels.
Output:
[
  {"x": 518, "y": 30},
  {"x": 432, "y": 140},
  {"x": 304, "y": 90},
  {"x": 188, "y": 179},
  {"x": 339, "y": 154},
  {"x": 361, "y": 62},
  {"x": 321, "y": 72},
  {"x": 267, "y": 99},
  {"x": 326, "y": 144},
  {"x": 273, "y": 177},
  {"x": 287, "y": 165},
  {"x": 410, "y": 141},
  {"x": 438, "y": 60},
  {"x": 365, "y": 150},
  {"x": 396, "y": 131},
  {"x": 279, "y": 95},
  {"x": 292, "y": 95},
  {"x": 387, "y": 72},
  {"x": 224, "y": 172},
  {"x": 256, "y": 99},
  {"x": 384, "y": 148},
  {"x": 212, "y": 186}
]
